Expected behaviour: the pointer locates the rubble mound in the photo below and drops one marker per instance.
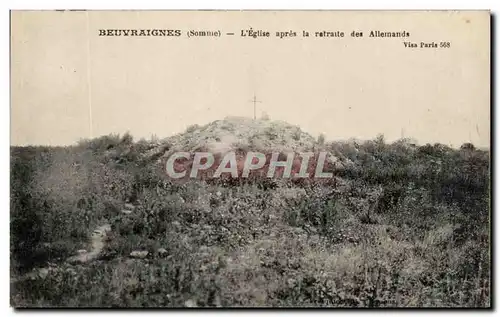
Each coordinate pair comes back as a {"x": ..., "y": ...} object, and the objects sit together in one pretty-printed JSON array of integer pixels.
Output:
[
  {"x": 243, "y": 135},
  {"x": 234, "y": 133}
]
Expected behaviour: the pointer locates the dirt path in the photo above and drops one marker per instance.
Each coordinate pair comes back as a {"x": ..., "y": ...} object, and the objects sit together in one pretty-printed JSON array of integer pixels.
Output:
[{"x": 97, "y": 244}]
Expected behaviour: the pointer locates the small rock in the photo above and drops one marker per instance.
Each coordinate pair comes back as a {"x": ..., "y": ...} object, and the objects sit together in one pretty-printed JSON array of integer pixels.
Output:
[
  {"x": 190, "y": 303},
  {"x": 106, "y": 227},
  {"x": 82, "y": 251},
  {"x": 43, "y": 272},
  {"x": 162, "y": 251},
  {"x": 129, "y": 206},
  {"x": 139, "y": 254},
  {"x": 126, "y": 211}
]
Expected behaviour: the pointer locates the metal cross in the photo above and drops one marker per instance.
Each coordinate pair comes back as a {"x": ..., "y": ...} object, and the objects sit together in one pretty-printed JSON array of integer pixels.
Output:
[{"x": 254, "y": 100}]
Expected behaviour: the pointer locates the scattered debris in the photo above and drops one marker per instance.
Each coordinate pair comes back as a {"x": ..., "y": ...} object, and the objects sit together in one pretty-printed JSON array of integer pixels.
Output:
[{"x": 139, "y": 254}]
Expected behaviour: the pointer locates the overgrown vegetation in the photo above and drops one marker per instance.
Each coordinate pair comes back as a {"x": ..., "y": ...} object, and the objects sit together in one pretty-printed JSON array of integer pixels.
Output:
[{"x": 402, "y": 225}]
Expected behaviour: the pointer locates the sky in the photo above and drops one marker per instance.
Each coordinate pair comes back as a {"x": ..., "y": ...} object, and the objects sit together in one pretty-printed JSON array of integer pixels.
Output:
[{"x": 68, "y": 83}]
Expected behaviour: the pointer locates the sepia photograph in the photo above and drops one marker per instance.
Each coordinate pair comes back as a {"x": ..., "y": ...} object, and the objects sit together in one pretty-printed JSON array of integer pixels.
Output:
[{"x": 250, "y": 159}]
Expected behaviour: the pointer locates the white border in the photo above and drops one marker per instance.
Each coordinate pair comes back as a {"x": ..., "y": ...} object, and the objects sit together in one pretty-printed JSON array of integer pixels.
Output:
[
  {"x": 257, "y": 4},
  {"x": 191, "y": 5}
]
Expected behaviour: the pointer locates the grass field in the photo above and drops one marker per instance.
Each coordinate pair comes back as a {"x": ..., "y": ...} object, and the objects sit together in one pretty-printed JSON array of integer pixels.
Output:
[{"x": 402, "y": 225}]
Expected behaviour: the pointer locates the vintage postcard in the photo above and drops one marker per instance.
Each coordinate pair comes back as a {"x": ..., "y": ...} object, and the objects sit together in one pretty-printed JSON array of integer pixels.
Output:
[{"x": 250, "y": 159}]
